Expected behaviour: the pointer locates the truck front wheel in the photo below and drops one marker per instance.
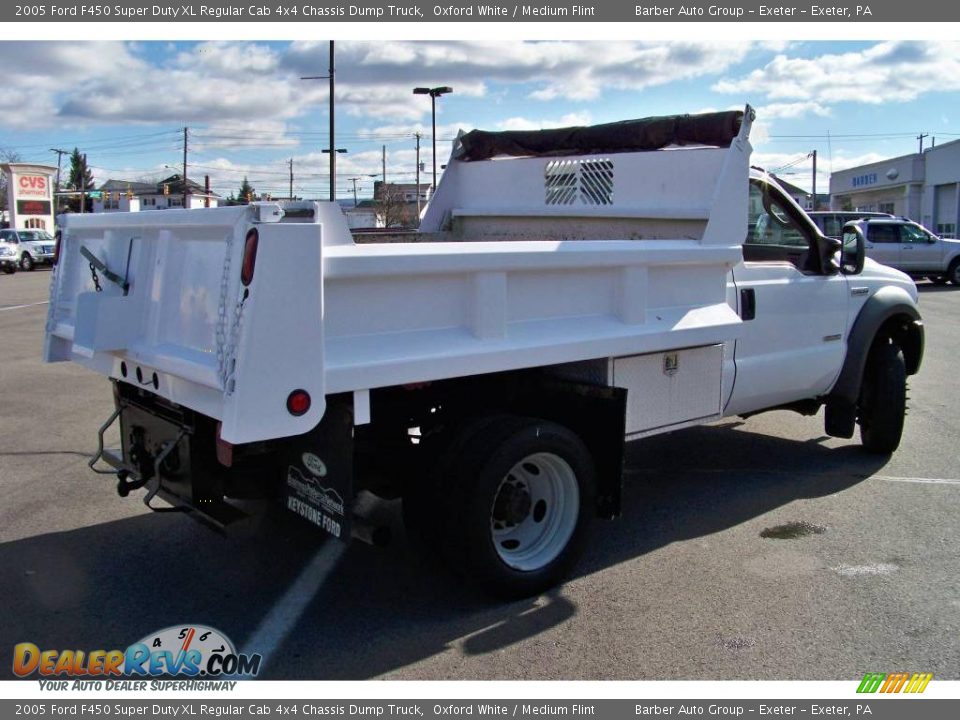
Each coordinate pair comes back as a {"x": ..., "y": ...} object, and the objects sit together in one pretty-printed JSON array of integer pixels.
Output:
[
  {"x": 522, "y": 495},
  {"x": 883, "y": 399}
]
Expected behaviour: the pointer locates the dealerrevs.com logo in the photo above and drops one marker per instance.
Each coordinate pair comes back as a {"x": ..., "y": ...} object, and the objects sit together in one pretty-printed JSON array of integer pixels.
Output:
[{"x": 192, "y": 651}]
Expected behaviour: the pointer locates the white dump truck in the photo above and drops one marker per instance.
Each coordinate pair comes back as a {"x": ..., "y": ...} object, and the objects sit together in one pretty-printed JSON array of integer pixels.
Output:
[{"x": 595, "y": 285}]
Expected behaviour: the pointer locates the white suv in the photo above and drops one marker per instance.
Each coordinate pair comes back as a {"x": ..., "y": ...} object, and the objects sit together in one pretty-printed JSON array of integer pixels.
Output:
[
  {"x": 29, "y": 247},
  {"x": 907, "y": 246}
]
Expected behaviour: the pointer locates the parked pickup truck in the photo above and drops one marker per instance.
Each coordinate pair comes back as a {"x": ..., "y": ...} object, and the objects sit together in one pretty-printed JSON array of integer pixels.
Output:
[{"x": 595, "y": 285}]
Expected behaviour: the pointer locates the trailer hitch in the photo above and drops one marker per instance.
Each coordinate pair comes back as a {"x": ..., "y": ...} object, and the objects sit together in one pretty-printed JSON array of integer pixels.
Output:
[{"x": 167, "y": 448}]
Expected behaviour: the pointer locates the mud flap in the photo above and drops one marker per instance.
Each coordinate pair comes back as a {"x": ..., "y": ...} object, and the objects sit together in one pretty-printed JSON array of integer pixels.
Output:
[{"x": 318, "y": 479}]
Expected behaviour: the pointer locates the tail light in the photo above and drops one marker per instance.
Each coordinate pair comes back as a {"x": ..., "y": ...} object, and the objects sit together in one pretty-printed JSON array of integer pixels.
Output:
[
  {"x": 298, "y": 402},
  {"x": 249, "y": 256},
  {"x": 56, "y": 247}
]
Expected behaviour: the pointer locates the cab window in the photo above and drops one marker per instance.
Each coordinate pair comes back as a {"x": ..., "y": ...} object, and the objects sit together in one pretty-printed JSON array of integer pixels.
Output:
[{"x": 773, "y": 232}]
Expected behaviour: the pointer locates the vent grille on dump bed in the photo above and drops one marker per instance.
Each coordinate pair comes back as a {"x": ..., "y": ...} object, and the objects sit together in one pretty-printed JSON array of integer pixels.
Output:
[{"x": 579, "y": 182}]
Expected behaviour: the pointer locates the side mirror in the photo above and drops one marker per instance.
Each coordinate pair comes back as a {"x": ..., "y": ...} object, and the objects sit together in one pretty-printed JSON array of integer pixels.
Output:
[
  {"x": 853, "y": 251},
  {"x": 931, "y": 239}
]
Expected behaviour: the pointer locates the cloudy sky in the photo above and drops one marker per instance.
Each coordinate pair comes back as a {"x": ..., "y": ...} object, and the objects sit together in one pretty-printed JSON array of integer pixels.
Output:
[{"x": 125, "y": 104}]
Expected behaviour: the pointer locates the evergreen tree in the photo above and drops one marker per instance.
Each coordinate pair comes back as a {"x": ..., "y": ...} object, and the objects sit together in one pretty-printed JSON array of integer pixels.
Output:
[
  {"x": 247, "y": 193},
  {"x": 81, "y": 178}
]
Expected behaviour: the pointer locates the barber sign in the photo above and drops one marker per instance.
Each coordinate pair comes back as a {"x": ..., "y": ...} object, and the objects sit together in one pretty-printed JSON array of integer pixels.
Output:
[{"x": 33, "y": 186}]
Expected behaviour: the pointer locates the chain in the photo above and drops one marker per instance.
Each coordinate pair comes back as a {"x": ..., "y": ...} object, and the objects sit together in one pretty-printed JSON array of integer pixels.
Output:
[
  {"x": 222, "y": 350},
  {"x": 96, "y": 280}
]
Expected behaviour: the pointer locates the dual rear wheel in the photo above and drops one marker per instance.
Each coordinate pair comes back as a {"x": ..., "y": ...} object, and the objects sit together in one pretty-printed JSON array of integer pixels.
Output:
[{"x": 507, "y": 504}]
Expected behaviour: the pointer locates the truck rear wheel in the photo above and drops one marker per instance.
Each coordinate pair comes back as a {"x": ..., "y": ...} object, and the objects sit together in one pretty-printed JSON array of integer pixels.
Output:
[
  {"x": 522, "y": 492},
  {"x": 883, "y": 399}
]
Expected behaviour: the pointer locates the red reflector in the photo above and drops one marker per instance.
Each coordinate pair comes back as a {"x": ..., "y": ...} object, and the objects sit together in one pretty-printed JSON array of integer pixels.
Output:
[
  {"x": 249, "y": 256},
  {"x": 298, "y": 402}
]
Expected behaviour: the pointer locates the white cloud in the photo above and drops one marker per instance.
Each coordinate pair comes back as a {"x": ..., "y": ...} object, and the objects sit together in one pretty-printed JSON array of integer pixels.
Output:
[
  {"x": 885, "y": 72},
  {"x": 792, "y": 110},
  {"x": 568, "y": 120},
  {"x": 77, "y": 84}
]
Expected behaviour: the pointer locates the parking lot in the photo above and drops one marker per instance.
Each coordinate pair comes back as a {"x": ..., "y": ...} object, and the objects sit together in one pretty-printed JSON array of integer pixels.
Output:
[{"x": 756, "y": 549}]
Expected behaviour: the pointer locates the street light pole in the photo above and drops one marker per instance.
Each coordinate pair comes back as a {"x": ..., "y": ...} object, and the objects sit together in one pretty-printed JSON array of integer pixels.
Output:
[
  {"x": 332, "y": 150},
  {"x": 434, "y": 93}
]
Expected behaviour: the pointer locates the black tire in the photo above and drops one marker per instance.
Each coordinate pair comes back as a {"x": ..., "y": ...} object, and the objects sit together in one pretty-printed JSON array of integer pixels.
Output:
[
  {"x": 516, "y": 505},
  {"x": 423, "y": 493},
  {"x": 9, "y": 269},
  {"x": 953, "y": 273},
  {"x": 883, "y": 399},
  {"x": 26, "y": 262}
]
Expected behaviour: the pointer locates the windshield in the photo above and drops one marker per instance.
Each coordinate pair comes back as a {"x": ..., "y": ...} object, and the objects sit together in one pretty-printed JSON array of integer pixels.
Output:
[{"x": 36, "y": 236}]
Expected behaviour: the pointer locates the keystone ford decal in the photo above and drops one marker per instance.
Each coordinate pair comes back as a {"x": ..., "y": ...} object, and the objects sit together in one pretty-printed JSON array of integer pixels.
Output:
[{"x": 324, "y": 507}]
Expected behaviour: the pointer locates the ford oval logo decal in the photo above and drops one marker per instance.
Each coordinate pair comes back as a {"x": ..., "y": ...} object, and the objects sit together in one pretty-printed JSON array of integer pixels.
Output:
[{"x": 314, "y": 464}]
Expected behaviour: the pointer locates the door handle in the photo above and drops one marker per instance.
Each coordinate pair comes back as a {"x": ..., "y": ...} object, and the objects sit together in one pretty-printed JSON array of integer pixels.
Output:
[{"x": 748, "y": 304}]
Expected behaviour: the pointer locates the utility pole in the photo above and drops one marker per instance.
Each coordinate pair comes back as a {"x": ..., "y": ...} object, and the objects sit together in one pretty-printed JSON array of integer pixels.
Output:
[
  {"x": 417, "y": 135},
  {"x": 333, "y": 146},
  {"x": 185, "y": 131},
  {"x": 83, "y": 184},
  {"x": 383, "y": 160},
  {"x": 60, "y": 154},
  {"x": 354, "y": 181},
  {"x": 290, "y": 195},
  {"x": 814, "y": 156},
  {"x": 920, "y": 137}
]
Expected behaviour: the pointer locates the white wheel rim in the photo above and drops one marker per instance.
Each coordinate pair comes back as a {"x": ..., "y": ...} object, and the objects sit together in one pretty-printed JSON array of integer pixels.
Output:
[{"x": 535, "y": 511}]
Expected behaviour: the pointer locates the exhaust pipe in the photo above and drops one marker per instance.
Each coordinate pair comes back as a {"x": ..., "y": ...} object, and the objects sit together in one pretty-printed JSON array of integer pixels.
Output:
[{"x": 370, "y": 533}]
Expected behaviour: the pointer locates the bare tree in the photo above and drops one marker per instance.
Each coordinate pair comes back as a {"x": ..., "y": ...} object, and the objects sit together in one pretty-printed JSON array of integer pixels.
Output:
[
  {"x": 391, "y": 208},
  {"x": 6, "y": 155}
]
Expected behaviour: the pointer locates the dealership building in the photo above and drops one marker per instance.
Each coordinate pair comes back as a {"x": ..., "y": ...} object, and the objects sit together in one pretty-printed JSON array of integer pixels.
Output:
[
  {"x": 30, "y": 195},
  {"x": 922, "y": 186}
]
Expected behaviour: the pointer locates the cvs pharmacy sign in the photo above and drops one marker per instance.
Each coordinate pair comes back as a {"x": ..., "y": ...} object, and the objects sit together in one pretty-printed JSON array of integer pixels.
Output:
[{"x": 33, "y": 186}]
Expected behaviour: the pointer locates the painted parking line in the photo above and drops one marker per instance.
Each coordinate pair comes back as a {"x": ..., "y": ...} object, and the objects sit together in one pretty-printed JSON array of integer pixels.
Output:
[
  {"x": 289, "y": 608},
  {"x": 18, "y": 307},
  {"x": 921, "y": 481}
]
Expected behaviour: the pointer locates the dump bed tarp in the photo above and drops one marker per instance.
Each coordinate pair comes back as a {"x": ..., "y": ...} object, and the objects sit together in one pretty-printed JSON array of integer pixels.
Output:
[{"x": 717, "y": 129}]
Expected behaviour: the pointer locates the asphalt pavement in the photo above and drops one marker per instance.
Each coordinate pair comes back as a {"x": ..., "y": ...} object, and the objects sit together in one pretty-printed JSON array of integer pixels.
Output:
[{"x": 756, "y": 549}]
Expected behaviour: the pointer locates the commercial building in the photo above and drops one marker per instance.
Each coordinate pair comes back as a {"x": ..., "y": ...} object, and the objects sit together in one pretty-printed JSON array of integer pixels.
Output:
[{"x": 921, "y": 186}]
